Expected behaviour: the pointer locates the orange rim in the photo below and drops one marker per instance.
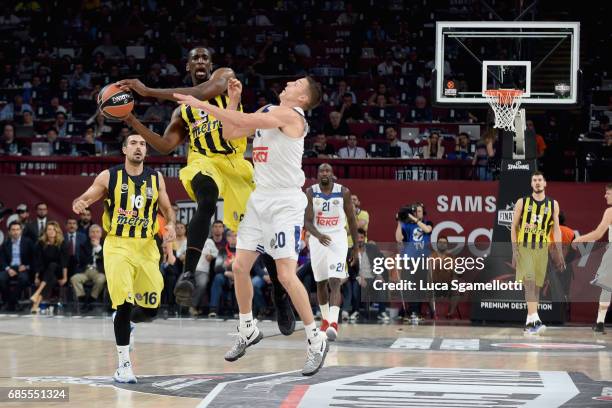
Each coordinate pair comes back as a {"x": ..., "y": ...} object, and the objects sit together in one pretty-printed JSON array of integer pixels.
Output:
[{"x": 504, "y": 96}]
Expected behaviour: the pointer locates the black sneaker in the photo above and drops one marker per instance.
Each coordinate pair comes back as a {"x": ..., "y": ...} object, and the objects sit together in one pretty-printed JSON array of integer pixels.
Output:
[
  {"x": 183, "y": 291},
  {"x": 284, "y": 314},
  {"x": 599, "y": 328}
]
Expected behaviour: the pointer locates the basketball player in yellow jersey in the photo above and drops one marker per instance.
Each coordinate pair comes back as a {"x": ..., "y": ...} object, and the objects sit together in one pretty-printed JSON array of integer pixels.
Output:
[
  {"x": 133, "y": 193},
  {"x": 533, "y": 218},
  {"x": 215, "y": 167}
]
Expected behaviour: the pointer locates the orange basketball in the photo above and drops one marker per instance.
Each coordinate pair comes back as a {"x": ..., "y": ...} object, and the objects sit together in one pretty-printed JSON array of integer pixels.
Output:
[{"x": 115, "y": 103}]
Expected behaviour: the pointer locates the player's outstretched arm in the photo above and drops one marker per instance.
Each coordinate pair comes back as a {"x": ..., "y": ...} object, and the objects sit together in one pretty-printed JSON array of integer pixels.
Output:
[
  {"x": 96, "y": 191},
  {"x": 216, "y": 85},
  {"x": 281, "y": 117},
  {"x": 166, "y": 208},
  {"x": 173, "y": 136},
  {"x": 601, "y": 229},
  {"x": 230, "y": 131}
]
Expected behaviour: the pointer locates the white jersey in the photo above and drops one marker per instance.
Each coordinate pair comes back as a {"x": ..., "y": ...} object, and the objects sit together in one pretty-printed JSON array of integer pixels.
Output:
[
  {"x": 328, "y": 209},
  {"x": 277, "y": 158}
]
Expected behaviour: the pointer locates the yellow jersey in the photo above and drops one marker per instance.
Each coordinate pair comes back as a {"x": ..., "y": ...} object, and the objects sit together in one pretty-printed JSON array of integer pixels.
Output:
[
  {"x": 536, "y": 222},
  {"x": 206, "y": 132},
  {"x": 130, "y": 209}
]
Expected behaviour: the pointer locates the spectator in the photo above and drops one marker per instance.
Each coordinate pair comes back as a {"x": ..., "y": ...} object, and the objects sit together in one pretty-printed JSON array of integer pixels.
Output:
[
  {"x": 100, "y": 127},
  {"x": 54, "y": 107},
  {"x": 80, "y": 79},
  {"x": 158, "y": 112},
  {"x": 245, "y": 48},
  {"x": 180, "y": 242},
  {"x": 8, "y": 18},
  {"x": 14, "y": 109},
  {"x": 321, "y": 148},
  {"x": 167, "y": 69},
  {"x": 421, "y": 112},
  {"x": 74, "y": 240},
  {"x": 607, "y": 146},
  {"x": 85, "y": 222},
  {"x": 15, "y": 262},
  {"x": 337, "y": 97},
  {"x": 348, "y": 16},
  {"x": 218, "y": 235},
  {"x": 604, "y": 126},
  {"x": 51, "y": 260},
  {"x": 203, "y": 275},
  {"x": 57, "y": 147},
  {"x": 485, "y": 152},
  {"x": 352, "y": 151},
  {"x": 381, "y": 90},
  {"x": 395, "y": 147},
  {"x": 388, "y": 66},
  {"x": 350, "y": 111},
  {"x": 359, "y": 274},
  {"x": 375, "y": 33},
  {"x": 258, "y": 19},
  {"x": 90, "y": 269},
  {"x": 108, "y": 49},
  {"x": 21, "y": 215},
  {"x": 539, "y": 139},
  {"x": 434, "y": 148},
  {"x": 463, "y": 150},
  {"x": 34, "y": 229},
  {"x": 60, "y": 125},
  {"x": 170, "y": 274},
  {"x": 441, "y": 273},
  {"x": 9, "y": 145},
  {"x": 224, "y": 277},
  {"x": 336, "y": 126},
  {"x": 27, "y": 119},
  {"x": 415, "y": 234},
  {"x": 362, "y": 217},
  {"x": 301, "y": 49},
  {"x": 260, "y": 280}
]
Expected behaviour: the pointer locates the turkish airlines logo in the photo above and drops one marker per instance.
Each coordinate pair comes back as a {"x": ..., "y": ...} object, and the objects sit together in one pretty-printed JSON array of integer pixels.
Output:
[{"x": 260, "y": 154}]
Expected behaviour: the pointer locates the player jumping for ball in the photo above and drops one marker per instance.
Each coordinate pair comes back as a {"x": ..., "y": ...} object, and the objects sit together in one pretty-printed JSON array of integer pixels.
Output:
[{"x": 275, "y": 211}]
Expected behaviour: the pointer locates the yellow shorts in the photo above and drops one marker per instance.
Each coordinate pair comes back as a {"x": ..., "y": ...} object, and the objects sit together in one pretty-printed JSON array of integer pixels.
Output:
[
  {"x": 132, "y": 271},
  {"x": 234, "y": 178},
  {"x": 531, "y": 264}
]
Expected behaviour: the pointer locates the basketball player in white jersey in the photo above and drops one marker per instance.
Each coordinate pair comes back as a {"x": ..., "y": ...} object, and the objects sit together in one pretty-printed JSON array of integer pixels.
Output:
[
  {"x": 329, "y": 206},
  {"x": 275, "y": 211},
  {"x": 603, "y": 278}
]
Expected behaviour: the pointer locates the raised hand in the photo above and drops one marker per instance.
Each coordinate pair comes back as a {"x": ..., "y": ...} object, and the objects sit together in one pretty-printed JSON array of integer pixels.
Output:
[{"x": 134, "y": 85}]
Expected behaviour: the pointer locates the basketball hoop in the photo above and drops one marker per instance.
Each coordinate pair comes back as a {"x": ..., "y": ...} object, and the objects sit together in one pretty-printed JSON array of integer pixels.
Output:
[{"x": 505, "y": 104}]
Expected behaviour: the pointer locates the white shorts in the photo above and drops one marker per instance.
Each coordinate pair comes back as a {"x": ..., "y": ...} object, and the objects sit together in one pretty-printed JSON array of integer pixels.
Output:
[
  {"x": 329, "y": 261},
  {"x": 273, "y": 223},
  {"x": 603, "y": 277}
]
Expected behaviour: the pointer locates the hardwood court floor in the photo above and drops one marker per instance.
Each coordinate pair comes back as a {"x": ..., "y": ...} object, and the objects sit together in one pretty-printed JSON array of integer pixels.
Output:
[{"x": 183, "y": 351}]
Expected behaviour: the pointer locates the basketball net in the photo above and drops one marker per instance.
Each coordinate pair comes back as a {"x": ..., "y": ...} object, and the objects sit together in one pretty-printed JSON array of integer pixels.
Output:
[{"x": 505, "y": 104}]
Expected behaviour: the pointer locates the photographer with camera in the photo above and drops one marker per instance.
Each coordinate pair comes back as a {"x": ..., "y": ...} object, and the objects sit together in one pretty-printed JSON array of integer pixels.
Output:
[{"x": 413, "y": 232}]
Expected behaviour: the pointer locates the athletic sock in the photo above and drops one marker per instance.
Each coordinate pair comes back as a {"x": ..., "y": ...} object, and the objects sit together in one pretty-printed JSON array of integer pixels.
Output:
[
  {"x": 333, "y": 314},
  {"x": 534, "y": 317},
  {"x": 325, "y": 311},
  {"x": 601, "y": 315},
  {"x": 123, "y": 354},
  {"x": 246, "y": 320},
  {"x": 312, "y": 333}
]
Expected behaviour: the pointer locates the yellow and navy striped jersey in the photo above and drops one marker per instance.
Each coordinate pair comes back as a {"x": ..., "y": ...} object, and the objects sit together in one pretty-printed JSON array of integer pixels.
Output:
[
  {"x": 206, "y": 132},
  {"x": 536, "y": 221},
  {"x": 130, "y": 209}
]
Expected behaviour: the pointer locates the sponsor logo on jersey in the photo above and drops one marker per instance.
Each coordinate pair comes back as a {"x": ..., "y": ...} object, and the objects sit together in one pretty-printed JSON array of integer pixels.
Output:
[
  {"x": 149, "y": 192},
  {"x": 260, "y": 154},
  {"x": 124, "y": 188},
  {"x": 128, "y": 213},
  {"x": 327, "y": 221}
]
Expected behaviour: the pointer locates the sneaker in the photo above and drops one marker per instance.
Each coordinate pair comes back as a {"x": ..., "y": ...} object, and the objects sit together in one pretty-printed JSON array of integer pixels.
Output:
[
  {"x": 285, "y": 318},
  {"x": 183, "y": 291},
  {"x": 318, "y": 315},
  {"x": 124, "y": 374},
  {"x": 324, "y": 325},
  {"x": 599, "y": 328},
  {"x": 242, "y": 342},
  {"x": 212, "y": 315},
  {"x": 193, "y": 312},
  {"x": 345, "y": 316},
  {"x": 384, "y": 317},
  {"x": 315, "y": 357},
  {"x": 354, "y": 316},
  {"x": 332, "y": 331},
  {"x": 535, "y": 329},
  {"x": 132, "y": 328}
]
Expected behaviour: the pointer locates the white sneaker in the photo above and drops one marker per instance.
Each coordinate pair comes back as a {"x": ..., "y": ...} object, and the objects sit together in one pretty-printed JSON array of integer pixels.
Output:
[
  {"x": 124, "y": 374},
  {"x": 354, "y": 316},
  {"x": 345, "y": 316},
  {"x": 315, "y": 356},
  {"x": 244, "y": 340},
  {"x": 384, "y": 317}
]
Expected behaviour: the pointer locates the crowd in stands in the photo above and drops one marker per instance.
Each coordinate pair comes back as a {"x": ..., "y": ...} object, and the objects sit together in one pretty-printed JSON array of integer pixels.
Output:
[{"x": 375, "y": 68}]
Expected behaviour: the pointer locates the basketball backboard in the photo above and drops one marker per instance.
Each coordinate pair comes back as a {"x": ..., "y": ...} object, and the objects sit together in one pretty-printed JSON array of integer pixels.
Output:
[{"x": 539, "y": 58}]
